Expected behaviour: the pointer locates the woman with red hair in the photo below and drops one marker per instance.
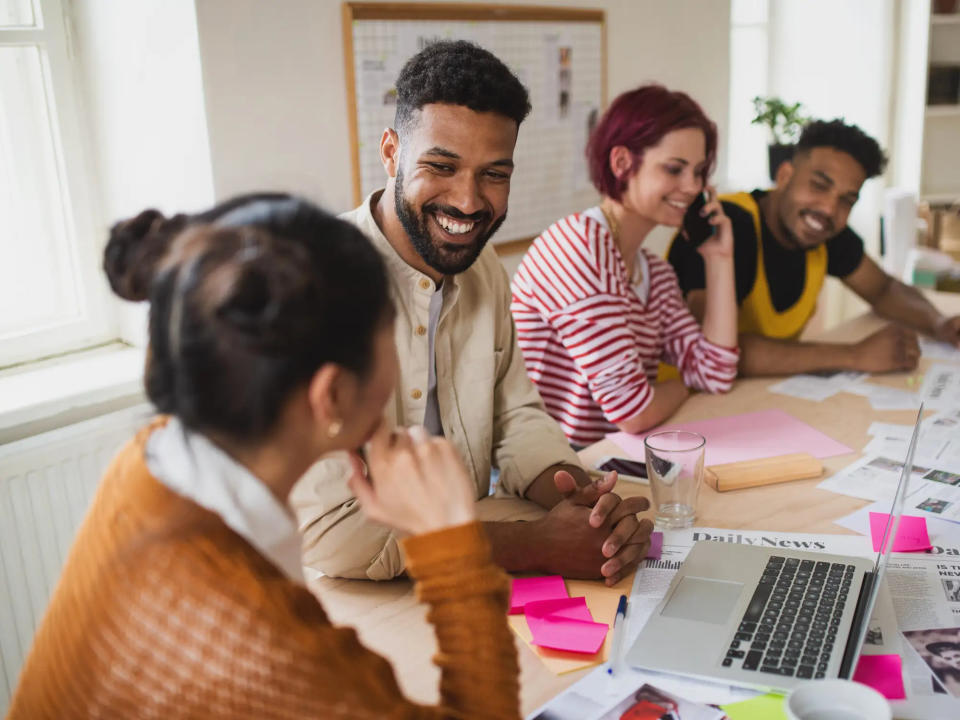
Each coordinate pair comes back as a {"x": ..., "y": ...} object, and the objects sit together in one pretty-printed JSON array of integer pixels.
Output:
[{"x": 596, "y": 313}]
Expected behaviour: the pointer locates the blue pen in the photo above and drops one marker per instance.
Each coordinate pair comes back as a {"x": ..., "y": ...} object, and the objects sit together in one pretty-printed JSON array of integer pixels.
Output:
[{"x": 619, "y": 623}]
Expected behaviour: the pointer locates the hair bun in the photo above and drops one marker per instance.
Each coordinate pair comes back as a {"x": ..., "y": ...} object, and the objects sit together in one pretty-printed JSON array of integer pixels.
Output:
[
  {"x": 133, "y": 251},
  {"x": 270, "y": 276}
]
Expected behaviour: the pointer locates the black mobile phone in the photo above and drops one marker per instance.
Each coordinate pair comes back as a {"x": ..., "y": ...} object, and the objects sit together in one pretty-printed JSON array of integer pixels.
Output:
[
  {"x": 624, "y": 466},
  {"x": 697, "y": 229}
]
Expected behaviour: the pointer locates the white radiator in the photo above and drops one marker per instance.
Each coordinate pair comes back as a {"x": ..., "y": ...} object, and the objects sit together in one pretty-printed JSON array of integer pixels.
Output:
[{"x": 46, "y": 484}]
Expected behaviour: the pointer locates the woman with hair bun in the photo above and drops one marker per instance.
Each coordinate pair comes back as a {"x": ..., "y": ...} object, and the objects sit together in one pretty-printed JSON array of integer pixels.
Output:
[
  {"x": 271, "y": 345},
  {"x": 596, "y": 313}
]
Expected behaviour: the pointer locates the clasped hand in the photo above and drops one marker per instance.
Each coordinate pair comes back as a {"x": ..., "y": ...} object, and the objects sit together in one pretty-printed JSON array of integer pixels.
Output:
[{"x": 593, "y": 532}]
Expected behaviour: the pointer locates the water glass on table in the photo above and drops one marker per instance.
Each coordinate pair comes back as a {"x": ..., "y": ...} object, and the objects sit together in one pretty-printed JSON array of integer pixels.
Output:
[{"x": 675, "y": 470}]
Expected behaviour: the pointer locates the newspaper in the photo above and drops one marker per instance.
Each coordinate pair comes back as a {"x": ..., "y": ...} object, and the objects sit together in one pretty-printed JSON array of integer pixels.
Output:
[
  {"x": 941, "y": 387},
  {"x": 925, "y": 588},
  {"x": 935, "y": 481}
]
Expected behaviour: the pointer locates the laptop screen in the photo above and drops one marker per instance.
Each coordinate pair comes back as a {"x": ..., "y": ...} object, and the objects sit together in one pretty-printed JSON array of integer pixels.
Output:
[{"x": 889, "y": 532}]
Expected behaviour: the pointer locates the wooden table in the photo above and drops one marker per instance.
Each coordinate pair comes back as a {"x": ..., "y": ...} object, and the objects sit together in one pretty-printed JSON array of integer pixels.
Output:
[{"x": 391, "y": 622}]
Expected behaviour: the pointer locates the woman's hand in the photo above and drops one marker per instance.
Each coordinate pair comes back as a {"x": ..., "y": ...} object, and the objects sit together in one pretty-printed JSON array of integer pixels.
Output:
[
  {"x": 417, "y": 483},
  {"x": 720, "y": 245}
]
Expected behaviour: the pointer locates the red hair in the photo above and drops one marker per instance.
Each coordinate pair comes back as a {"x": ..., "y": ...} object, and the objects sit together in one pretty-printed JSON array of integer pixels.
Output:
[{"x": 638, "y": 119}]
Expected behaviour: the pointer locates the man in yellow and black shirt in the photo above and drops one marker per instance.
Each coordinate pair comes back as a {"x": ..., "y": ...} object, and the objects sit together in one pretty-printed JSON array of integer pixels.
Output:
[{"x": 787, "y": 240}]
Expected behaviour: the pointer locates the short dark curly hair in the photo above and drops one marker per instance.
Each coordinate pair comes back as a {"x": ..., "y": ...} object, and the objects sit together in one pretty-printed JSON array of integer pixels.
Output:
[
  {"x": 458, "y": 72},
  {"x": 847, "y": 138}
]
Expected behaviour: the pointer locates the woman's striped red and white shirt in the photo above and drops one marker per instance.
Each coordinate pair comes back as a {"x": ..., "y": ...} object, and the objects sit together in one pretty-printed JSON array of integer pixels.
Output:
[{"x": 593, "y": 340}]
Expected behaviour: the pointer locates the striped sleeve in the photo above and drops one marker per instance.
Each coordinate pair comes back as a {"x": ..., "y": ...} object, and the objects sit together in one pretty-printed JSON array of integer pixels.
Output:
[
  {"x": 703, "y": 365},
  {"x": 567, "y": 278}
]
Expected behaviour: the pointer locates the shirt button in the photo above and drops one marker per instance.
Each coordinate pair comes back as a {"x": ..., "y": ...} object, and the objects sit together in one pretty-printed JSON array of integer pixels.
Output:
[
  {"x": 425, "y": 284},
  {"x": 416, "y": 394},
  {"x": 421, "y": 330}
]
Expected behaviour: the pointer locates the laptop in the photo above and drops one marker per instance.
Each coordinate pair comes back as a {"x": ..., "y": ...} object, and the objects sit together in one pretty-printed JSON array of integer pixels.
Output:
[{"x": 767, "y": 618}]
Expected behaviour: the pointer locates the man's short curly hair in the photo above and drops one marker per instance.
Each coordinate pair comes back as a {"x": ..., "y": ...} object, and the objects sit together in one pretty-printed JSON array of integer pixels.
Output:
[
  {"x": 847, "y": 138},
  {"x": 458, "y": 72}
]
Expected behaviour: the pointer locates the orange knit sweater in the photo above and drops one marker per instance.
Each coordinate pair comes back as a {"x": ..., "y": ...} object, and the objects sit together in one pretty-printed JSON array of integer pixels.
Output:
[{"x": 164, "y": 612}]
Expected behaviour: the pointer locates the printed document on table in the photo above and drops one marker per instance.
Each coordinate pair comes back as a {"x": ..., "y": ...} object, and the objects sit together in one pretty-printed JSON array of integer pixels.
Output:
[
  {"x": 934, "y": 490},
  {"x": 941, "y": 387},
  {"x": 936, "y": 350},
  {"x": 816, "y": 387},
  {"x": 886, "y": 398}
]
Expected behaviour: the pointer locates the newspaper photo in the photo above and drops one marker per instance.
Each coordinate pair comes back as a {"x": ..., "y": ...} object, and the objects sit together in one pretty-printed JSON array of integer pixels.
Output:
[{"x": 934, "y": 490}]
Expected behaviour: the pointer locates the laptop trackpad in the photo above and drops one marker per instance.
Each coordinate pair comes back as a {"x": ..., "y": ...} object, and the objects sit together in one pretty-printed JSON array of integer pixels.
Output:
[{"x": 703, "y": 599}]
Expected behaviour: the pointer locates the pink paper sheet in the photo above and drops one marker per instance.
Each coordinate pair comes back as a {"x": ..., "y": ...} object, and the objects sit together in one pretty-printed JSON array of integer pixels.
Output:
[
  {"x": 560, "y": 633},
  {"x": 570, "y": 608},
  {"x": 911, "y": 532},
  {"x": 882, "y": 673},
  {"x": 656, "y": 546},
  {"x": 749, "y": 436},
  {"x": 526, "y": 590}
]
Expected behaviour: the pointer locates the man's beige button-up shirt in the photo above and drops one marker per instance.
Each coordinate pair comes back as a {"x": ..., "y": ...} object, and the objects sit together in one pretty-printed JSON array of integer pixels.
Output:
[{"x": 489, "y": 408}]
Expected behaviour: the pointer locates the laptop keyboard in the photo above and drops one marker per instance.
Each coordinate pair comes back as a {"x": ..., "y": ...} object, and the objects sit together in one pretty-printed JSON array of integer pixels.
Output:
[{"x": 790, "y": 626}]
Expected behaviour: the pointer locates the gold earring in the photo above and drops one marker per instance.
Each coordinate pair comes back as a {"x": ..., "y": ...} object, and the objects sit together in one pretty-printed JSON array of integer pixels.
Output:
[{"x": 334, "y": 428}]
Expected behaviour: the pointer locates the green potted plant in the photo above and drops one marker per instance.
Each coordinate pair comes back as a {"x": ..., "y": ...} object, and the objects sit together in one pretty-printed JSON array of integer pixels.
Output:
[{"x": 785, "y": 121}]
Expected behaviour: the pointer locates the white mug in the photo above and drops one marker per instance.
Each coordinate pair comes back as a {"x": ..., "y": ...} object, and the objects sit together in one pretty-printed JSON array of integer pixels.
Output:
[{"x": 836, "y": 700}]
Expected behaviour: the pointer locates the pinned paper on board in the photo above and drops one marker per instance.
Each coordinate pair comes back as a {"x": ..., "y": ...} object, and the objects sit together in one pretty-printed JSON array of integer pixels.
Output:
[
  {"x": 883, "y": 673},
  {"x": 911, "y": 536},
  {"x": 749, "y": 436},
  {"x": 524, "y": 590}
]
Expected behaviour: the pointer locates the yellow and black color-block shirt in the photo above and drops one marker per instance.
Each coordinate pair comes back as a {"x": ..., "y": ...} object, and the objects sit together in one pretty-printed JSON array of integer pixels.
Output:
[{"x": 777, "y": 288}]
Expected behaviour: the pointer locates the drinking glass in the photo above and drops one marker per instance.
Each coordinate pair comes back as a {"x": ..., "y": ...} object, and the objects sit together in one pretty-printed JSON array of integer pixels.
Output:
[{"x": 675, "y": 469}]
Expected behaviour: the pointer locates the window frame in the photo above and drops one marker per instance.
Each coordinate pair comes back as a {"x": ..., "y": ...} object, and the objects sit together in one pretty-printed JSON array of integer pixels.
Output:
[{"x": 96, "y": 319}]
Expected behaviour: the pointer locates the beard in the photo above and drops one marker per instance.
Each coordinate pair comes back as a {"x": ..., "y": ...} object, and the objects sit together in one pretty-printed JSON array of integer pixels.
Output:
[{"x": 446, "y": 258}]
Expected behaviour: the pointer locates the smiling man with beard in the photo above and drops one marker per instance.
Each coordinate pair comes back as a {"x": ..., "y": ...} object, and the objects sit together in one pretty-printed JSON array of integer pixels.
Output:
[
  {"x": 785, "y": 243},
  {"x": 448, "y": 162}
]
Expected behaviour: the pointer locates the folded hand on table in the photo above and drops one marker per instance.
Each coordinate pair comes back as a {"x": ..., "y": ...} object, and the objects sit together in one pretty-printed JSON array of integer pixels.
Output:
[{"x": 593, "y": 532}]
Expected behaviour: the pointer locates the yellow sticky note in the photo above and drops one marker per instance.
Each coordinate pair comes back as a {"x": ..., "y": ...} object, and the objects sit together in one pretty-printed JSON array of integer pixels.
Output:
[{"x": 762, "y": 707}]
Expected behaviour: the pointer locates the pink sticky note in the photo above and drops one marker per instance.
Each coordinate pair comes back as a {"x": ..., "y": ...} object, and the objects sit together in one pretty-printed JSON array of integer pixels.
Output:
[
  {"x": 749, "y": 436},
  {"x": 882, "y": 673},
  {"x": 911, "y": 532},
  {"x": 526, "y": 590},
  {"x": 570, "y": 608},
  {"x": 656, "y": 546},
  {"x": 560, "y": 633}
]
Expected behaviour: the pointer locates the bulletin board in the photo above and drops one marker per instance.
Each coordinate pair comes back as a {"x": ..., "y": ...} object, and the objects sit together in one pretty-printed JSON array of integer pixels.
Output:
[{"x": 559, "y": 54}]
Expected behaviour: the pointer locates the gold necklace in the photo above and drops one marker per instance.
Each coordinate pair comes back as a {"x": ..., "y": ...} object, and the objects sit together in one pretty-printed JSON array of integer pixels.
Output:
[{"x": 633, "y": 271}]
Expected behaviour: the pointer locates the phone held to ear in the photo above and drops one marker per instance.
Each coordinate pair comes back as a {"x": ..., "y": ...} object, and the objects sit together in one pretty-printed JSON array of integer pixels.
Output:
[
  {"x": 627, "y": 469},
  {"x": 696, "y": 228}
]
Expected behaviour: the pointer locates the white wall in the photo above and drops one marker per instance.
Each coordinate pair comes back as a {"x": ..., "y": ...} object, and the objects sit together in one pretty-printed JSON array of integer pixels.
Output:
[
  {"x": 139, "y": 70},
  {"x": 276, "y": 96},
  {"x": 837, "y": 58}
]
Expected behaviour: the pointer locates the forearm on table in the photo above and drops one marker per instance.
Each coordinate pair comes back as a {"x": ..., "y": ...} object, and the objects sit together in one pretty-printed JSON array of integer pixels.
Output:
[
  {"x": 668, "y": 396},
  {"x": 907, "y": 305},
  {"x": 762, "y": 356},
  {"x": 344, "y": 543}
]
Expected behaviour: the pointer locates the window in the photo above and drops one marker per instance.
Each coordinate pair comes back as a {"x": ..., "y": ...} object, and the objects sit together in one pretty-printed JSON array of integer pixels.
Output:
[
  {"x": 749, "y": 62},
  {"x": 52, "y": 293}
]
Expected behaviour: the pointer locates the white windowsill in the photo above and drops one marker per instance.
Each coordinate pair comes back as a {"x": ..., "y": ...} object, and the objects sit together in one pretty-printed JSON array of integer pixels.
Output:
[{"x": 67, "y": 387}]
